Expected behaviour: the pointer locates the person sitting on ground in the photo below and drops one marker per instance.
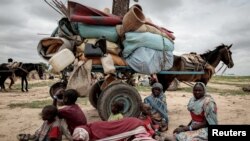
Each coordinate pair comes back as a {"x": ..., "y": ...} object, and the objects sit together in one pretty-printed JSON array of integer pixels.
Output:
[
  {"x": 116, "y": 109},
  {"x": 203, "y": 110},
  {"x": 71, "y": 112},
  {"x": 52, "y": 128},
  {"x": 145, "y": 116},
  {"x": 157, "y": 101},
  {"x": 126, "y": 128}
]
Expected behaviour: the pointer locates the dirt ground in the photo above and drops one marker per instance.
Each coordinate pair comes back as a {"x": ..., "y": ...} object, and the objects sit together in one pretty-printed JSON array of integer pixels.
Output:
[{"x": 232, "y": 109}]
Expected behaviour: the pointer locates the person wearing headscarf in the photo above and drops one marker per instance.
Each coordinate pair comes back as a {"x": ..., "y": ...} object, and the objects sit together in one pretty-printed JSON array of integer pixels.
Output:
[
  {"x": 203, "y": 110},
  {"x": 157, "y": 101}
]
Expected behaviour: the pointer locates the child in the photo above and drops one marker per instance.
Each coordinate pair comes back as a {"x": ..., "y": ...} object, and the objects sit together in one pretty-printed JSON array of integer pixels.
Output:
[
  {"x": 51, "y": 129},
  {"x": 145, "y": 116},
  {"x": 117, "y": 108},
  {"x": 72, "y": 113}
]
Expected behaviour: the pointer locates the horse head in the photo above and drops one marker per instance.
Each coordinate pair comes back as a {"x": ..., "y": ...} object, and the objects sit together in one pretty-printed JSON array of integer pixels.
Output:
[{"x": 226, "y": 55}]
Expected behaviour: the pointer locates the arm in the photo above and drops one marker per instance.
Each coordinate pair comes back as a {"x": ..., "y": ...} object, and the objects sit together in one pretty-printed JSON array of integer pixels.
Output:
[{"x": 190, "y": 128}]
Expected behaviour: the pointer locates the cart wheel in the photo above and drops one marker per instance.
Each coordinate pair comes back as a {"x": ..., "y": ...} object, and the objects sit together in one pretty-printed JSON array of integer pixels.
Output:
[
  {"x": 122, "y": 92},
  {"x": 56, "y": 87},
  {"x": 174, "y": 85},
  {"x": 95, "y": 92}
]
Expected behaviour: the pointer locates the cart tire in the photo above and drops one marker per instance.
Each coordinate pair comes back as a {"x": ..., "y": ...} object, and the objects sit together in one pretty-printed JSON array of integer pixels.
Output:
[
  {"x": 174, "y": 85},
  {"x": 56, "y": 87},
  {"x": 122, "y": 92},
  {"x": 95, "y": 92}
]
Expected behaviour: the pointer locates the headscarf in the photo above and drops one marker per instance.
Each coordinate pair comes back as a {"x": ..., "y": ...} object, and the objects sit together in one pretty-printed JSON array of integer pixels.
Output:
[
  {"x": 206, "y": 104},
  {"x": 202, "y": 85},
  {"x": 158, "y": 104},
  {"x": 80, "y": 134}
]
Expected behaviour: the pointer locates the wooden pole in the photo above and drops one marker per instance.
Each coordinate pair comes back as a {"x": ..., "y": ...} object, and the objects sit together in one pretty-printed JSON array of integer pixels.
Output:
[{"x": 120, "y": 7}]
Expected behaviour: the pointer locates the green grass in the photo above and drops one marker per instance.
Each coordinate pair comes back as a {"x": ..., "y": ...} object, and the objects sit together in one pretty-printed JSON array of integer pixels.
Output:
[
  {"x": 143, "y": 88},
  {"x": 230, "y": 79},
  {"x": 215, "y": 90},
  {"x": 33, "y": 104},
  {"x": 33, "y": 85},
  {"x": 83, "y": 100}
]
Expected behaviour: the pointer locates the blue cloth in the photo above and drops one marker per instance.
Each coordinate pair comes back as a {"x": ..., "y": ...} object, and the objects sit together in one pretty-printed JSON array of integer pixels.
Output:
[
  {"x": 149, "y": 61},
  {"x": 134, "y": 40},
  {"x": 158, "y": 104},
  {"x": 94, "y": 31}
]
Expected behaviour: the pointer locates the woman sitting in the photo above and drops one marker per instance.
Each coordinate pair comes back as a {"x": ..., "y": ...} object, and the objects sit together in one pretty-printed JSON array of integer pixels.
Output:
[
  {"x": 203, "y": 110},
  {"x": 157, "y": 101}
]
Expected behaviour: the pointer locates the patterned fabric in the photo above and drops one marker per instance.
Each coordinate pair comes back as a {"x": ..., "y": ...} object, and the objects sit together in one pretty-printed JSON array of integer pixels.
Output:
[
  {"x": 47, "y": 129},
  {"x": 158, "y": 104},
  {"x": 204, "y": 107},
  {"x": 115, "y": 117}
]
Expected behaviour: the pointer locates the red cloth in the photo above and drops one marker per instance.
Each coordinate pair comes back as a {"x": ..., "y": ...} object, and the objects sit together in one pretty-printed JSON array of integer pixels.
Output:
[
  {"x": 164, "y": 30},
  {"x": 148, "y": 123},
  {"x": 102, "y": 129},
  {"x": 198, "y": 118},
  {"x": 73, "y": 115},
  {"x": 92, "y": 16},
  {"x": 54, "y": 133}
]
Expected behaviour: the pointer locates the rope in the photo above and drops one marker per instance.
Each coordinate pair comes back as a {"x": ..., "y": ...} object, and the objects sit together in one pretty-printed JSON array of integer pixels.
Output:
[
  {"x": 188, "y": 83},
  {"x": 224, "y": 71},
  {"x": 220, "y": 67}
]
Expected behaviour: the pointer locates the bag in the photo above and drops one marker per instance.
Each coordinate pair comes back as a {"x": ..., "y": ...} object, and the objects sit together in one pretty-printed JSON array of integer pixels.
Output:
[
  {"x": 108, "y": 64},
  {"x": 92, "y": 51},
  {"x": 97, "y": 50},
  {"x": 80, "y": 78}
]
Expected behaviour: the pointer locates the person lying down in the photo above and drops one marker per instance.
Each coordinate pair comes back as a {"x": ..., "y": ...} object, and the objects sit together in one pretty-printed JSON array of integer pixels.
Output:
[{"x": 127, "y": 128}]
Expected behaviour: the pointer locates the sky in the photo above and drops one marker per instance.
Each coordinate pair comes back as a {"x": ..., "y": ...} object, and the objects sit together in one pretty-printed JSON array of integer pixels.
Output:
[{"x": 198, "y": 25}]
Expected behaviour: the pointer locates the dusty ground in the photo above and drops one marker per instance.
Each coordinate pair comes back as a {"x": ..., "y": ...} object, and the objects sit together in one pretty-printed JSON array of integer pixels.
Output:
[{"x": 231, "y": 110}]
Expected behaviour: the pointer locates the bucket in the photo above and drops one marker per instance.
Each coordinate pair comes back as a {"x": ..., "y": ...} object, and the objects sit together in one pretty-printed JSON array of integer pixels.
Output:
[
  {"x": 133, "y": 19},
  {"x": 61, "y": 60}
]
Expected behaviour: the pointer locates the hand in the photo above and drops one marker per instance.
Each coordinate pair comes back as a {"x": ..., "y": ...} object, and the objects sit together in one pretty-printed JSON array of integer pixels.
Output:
[{"x": 179, "y": 129}]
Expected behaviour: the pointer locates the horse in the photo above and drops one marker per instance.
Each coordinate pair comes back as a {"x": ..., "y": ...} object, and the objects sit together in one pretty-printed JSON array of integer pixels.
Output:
[
  {"x": 23, "y": 71},
  {"x": 211, "y": 58},
  {"x": 4, "y": 74}
]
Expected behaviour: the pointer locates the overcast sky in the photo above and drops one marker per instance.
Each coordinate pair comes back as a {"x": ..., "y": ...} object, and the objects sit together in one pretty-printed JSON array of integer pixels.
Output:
[{"x": 199, "y": 25}]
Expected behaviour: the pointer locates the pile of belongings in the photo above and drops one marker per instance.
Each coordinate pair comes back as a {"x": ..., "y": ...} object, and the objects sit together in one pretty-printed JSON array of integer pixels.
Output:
[{"x": 87, "y": 36}]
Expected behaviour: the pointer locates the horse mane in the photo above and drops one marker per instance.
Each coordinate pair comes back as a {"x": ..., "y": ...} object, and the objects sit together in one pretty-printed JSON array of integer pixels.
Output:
[{"x": 210, "y": 54}]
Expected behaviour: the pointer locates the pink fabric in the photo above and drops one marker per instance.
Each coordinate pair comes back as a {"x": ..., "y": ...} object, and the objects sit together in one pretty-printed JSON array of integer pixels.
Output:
[
  {"x": 88, "y": 15},
  {"x": 148, "y": 123},
  {"x": 73, "y": 116},
  {"x": 164, "y": 30},
  {"x": 103, "y": 129}
]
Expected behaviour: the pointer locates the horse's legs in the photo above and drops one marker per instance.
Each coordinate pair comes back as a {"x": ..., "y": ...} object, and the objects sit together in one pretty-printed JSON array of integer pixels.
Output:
[
  {"x": 26, "y": 82},
  {"x": 22, "y": 84},
  {"x": 11, "y": 82}
]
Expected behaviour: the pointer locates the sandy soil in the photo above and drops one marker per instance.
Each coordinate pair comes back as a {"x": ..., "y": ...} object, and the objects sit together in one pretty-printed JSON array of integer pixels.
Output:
[{"x": 231, "y": 110}]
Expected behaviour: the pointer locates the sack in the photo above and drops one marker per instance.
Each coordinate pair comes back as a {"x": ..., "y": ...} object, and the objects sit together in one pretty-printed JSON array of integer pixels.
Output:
[
  {"x": 92, "y": 51},
  {"x": 80, "y": 79},
  {"x": 108, "y": 64}
]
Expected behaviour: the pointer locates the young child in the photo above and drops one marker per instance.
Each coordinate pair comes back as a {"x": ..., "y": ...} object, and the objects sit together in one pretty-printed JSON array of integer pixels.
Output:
[
  {"x": 117, "y": 108},
  {"x": 71, "y": 112},
  {"x": 52, "y": 128},
  {"x": 145, "y": 116}
]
